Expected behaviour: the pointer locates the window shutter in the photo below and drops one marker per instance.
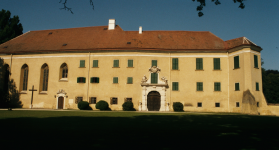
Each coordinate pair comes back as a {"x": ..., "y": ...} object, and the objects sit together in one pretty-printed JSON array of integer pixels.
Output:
[
  {"x": 154, "y": 63},
  {"x": 217, "y": 86},
  {"x": 154, "y": 78},
  {"x": 237, "y": 86},
  {"x": 84, "y": 80},
  {"x": 257, "y": 86},
  {"x": 91, "y": 80},
  {"x": 216, "y": 63},
  {"x": 95, "y": 63},
  {"x": 97, "y": 81},
  {"x": 175, "y": 63},
  {"x": 199, "y": 64},
  {"x": 115, "y": 63},
  {"x": 82, "y": 63},
  {"x": 175, "y": 86},
  {"x": 236, "y": 62},
  {"x": 256, "y": 61},
  {"x": 111, "y": 100},
  {"x": 130, "y": 63},
  {"x": 77, "y": 79}
]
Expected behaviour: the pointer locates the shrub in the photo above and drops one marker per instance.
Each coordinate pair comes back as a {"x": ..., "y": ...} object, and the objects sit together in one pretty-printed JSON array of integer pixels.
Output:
[
  {"x": 128, "y": 106},
  {"x": 177, "y": 106},
  {"x": 83, "y": 105},
  {"x": 102, "y": 105}
]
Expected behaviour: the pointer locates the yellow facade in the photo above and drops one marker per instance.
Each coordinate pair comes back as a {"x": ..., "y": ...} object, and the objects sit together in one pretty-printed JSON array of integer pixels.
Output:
[{"x": 187, "y": 77}]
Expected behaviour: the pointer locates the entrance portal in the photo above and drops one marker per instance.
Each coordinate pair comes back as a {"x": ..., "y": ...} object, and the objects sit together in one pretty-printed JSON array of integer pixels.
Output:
[
  {"x": 60, "y": 102},
  {"x": 153, "y": 101}
]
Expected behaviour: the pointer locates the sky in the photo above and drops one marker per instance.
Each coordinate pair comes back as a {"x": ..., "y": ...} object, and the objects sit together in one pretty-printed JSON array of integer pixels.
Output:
[{"x": 259, "y": 21}]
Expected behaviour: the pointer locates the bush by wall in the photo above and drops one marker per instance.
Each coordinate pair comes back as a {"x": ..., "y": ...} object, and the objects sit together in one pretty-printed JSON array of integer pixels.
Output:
[
  {"x": 83, "y": 105},
  {"x": 128, "y": 106},
  {"x": 102, "y": 105},
  {"x": 177, "y": 106}
]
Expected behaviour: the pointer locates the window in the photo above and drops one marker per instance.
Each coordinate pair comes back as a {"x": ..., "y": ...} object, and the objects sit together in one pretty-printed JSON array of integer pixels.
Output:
[
  {"x": 175, "y": 86},
  {"x": 258, "y": 104},
  {"x": 113, "y": 101},
  {"x": 130, "y": 63},
  {"x": 44, "y": 77},
  {"x": 217, "y": 86},
  {"x": 128, "y": 99},
  {"x": 130, "y": 80},
  {"x": 94, "y": 80},
  {"x": 154, "y": 63},
  {"x": 257, "y": 86},
  {"x": 175, "y": 64},
  {"x": 115, "y": 63},
  {"x": 199, "y": 86},
  {"x": 237, "y": 104},
  {"x": 216, "y": 63},
  {"x": 24, "y": 77},
  {"x": 82, "y": 64},
  {"x": 115, "y": 79},
  {"x": 154, "y": 78},
  {"x": 256, "y": 61},
  {"x": 199, "y": 104},
  {"x": 199, "y": 64},
  {"x": 78, "y": 99},
  {"x": 95, "y": 63},
  {"x": 236, "y": 62},
  {"x": 92, "y": 100},
  {"x": 217, "y": 104},
  {"x": 237, "y": 86},
  {"x": 81, "y": 79},
  {"x": 63, "y": 71}
]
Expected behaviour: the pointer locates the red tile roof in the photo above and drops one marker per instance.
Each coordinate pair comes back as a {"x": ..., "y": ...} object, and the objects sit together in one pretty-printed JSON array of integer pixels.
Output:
[{"x": 99, "y": 38}]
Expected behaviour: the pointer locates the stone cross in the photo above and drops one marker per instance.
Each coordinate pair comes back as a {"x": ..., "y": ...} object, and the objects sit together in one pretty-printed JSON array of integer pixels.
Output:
[{"x": 32, "y": 95}]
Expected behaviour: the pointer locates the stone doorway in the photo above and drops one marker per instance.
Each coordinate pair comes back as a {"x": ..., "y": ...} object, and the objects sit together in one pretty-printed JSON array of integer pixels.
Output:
[
  {"x": 60, "y": 102},
  {"x": 153, "y": 101}
]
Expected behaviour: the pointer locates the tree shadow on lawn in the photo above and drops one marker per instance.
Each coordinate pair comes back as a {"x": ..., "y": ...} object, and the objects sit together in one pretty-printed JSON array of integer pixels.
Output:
[{"x": 143, "y": 132}]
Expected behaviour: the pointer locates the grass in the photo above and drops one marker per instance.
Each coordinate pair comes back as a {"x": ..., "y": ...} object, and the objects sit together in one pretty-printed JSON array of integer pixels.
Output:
[{"x": 133, "y": 130}]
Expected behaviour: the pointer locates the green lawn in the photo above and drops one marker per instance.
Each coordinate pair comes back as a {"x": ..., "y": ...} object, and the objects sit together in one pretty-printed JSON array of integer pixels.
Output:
[{"x": 133, "y": 130}]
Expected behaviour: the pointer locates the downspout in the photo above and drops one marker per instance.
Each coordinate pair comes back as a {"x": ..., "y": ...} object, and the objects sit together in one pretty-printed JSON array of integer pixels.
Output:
[
  {"x": 88, "y": 78},
  {"x": 170, "y": 78},
  {"x": 10, "y": 66},
  {"x": 228, "y": 82}
]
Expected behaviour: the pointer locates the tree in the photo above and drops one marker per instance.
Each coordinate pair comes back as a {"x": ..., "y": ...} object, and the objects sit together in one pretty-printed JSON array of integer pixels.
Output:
[
  {"x": 271, "y": 85},
  {"x": 199, "y": 8},
  {"x": 9, "y": 95},
  {"x": 9, "y": 27},
  {"x": 217, "y": 2}
]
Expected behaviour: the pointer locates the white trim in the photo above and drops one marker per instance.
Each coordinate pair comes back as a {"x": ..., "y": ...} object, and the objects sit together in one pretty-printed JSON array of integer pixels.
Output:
[
  {"x": 245, "y": 51},
  {"x": 137, "y": 55}
]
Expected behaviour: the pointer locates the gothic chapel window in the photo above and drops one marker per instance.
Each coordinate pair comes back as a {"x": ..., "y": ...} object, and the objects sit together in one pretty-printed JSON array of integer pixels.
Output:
[
  {"x": 24, "y": 77},
  {"x": 64, "y": 71},
  {"x": 44, "y": 77}
]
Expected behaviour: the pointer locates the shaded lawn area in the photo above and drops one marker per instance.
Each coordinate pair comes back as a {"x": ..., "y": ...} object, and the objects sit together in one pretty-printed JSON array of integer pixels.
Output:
[{"x": 133, "y": 130}]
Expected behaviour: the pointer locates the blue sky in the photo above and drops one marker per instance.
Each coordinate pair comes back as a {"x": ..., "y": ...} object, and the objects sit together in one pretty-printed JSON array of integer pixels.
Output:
[{"x": 259, "y": 21}]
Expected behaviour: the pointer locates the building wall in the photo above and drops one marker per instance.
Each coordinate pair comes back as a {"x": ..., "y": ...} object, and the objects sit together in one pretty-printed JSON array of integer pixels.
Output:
[{"x": 186, "y": 75}]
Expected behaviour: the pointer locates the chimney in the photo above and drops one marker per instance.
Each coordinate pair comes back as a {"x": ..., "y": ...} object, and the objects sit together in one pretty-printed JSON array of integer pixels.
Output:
[
  {"x": 111, "y": 24},
  {"x": 140, "y": 30}
]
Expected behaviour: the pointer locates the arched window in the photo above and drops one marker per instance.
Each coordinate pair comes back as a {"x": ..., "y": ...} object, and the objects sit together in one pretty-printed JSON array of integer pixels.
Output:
[
  {"x": 63, "y": 72},
  {"x": 24, "y": 77},
  {"x": 44, "y": 77}
]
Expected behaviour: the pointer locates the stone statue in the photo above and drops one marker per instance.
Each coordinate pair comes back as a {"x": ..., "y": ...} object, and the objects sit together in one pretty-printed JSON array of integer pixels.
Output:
[
  {"x": 154, "y": 69},
  {"x": 144, "y": 79},
  {"x": 164, "y": 79}
]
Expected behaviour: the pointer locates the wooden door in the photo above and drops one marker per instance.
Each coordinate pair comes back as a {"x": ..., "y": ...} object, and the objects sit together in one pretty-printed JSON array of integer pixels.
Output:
[
  {"x": 60, "y": 102},
  {"x": 153, "y": 101}
]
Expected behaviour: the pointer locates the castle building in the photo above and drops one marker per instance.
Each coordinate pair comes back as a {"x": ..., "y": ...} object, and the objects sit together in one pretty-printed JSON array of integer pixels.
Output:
[{"x": 153, "y": 69}]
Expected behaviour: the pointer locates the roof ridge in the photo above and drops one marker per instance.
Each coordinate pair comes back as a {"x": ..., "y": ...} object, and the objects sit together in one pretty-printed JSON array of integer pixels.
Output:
[{"x": 69, "y": 28}]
